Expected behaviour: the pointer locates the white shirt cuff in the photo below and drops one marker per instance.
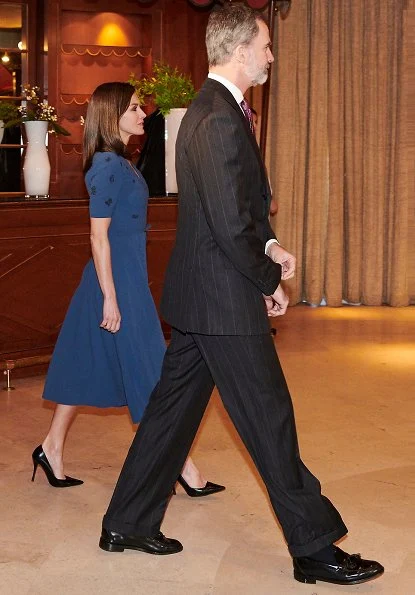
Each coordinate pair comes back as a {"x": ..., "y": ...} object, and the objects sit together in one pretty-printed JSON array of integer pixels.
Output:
[{"x": 268, "y": 244}]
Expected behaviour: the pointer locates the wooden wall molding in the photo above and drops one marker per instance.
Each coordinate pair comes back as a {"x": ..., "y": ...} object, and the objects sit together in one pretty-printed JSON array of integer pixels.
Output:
[{"x": 43, "y": 250}]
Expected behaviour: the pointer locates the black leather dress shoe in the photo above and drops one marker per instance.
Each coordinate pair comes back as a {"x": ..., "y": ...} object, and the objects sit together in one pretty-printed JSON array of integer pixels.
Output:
[
  {"x": 111, "y": 541},
  {"x": 349, "y": 569}
]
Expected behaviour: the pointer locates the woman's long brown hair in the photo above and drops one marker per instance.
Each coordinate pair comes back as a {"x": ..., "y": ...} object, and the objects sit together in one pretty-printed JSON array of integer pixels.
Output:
[{"x": 101, "y": 131}]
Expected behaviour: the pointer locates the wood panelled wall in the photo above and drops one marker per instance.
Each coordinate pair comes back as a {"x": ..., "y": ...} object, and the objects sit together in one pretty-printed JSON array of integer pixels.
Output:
[
  {"x": 74, "y": 46},
  {"x": 44, "y": 247},
  {"x": 94, "y": 41}
]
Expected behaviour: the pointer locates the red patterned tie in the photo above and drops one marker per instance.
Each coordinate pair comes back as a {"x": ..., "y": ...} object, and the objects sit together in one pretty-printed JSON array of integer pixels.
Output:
[{"x": 248, "y": 113}]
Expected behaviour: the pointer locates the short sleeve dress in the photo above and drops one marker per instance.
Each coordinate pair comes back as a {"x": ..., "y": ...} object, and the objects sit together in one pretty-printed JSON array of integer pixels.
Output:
[{"x": 91, "y": 366}]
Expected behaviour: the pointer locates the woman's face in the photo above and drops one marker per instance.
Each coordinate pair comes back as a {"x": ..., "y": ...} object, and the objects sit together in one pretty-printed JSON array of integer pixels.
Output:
[{"x": 132, "y": 121}]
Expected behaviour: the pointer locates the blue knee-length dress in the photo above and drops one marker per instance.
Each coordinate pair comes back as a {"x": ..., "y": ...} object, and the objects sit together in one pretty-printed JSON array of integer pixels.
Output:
[{"x": 91, "y": 366}]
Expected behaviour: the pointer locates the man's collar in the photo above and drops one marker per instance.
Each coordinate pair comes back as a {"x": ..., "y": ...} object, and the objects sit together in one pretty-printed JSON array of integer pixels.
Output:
[{"x": 236, "y": 92}]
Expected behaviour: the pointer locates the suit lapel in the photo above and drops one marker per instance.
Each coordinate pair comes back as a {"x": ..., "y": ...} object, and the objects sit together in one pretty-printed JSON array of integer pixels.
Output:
[{"x": 212, "y": 85}]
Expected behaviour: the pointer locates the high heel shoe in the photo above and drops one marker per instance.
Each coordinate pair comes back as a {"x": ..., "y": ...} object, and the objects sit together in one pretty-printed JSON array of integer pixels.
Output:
[
  {"x": 39, "y": 458},
  {"x": 210, "y": 488}
]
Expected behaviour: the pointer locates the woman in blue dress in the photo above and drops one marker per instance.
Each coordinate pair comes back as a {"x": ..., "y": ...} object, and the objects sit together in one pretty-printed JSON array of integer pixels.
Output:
[{"x": 110, "y": 349}]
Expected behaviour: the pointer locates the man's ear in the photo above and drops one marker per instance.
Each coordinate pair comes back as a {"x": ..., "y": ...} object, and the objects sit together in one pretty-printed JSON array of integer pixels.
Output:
[{"x": 240, "y": 54}]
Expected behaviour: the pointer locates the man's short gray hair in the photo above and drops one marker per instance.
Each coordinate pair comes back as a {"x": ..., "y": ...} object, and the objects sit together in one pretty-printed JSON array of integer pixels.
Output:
[{"x": 230, "y": 26}]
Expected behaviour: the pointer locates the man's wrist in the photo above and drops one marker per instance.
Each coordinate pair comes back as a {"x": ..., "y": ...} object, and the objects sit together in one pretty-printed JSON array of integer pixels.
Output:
[{"x": 269, "y": 243}]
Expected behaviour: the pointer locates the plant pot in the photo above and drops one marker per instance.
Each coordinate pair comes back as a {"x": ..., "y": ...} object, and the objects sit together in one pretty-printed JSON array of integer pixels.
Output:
[
  {"x": 171, "y": 127},
  {"x": 1, "y": 130},
  {"x": 36, "y": 166}
]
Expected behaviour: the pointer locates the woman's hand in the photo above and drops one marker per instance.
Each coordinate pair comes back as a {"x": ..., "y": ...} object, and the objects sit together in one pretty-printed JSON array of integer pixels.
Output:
[
  {"x": 101, "y": 253},
  {"x": 111, "y": 320}
]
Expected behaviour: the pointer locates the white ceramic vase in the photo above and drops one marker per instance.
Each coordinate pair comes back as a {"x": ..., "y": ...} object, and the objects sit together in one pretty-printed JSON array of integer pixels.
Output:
[
  {"x": 171, "y": 127},
  {"x": 36, "y": 166},
  {"x": 1, "y": 130}
]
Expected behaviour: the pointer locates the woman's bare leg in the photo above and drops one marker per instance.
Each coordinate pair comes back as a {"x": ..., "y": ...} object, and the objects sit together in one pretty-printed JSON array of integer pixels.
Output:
[
  {"x": 55, "y": 439},
  {"x": 54, "y": 442},
  {"x": 192, "y": 475}
]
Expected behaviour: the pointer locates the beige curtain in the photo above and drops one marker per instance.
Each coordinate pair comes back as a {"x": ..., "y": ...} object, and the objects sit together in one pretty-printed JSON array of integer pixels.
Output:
[{"x": 340, "y": 149}]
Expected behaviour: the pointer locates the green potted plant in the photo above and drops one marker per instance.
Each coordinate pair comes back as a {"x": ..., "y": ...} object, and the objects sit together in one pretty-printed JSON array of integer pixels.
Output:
[
  {"x": 170, "y": 88},
  {"x": 8, "y": 112},
  {"x": 172, "y": 92}
]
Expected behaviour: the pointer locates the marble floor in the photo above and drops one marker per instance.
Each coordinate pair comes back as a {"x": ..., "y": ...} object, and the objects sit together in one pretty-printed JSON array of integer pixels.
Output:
[{"x": 352, "y": 376}]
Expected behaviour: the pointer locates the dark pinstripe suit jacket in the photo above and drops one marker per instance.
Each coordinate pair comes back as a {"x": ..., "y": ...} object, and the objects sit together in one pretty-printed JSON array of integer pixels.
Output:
[{"x": 218, "y": 270}]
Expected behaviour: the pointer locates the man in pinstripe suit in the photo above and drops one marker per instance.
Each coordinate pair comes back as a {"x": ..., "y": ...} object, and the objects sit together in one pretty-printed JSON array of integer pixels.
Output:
[{"x": 222, "y": 281}]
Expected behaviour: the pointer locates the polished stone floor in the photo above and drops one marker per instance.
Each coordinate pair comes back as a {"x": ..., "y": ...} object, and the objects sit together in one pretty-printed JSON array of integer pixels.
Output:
[{"x": 352, "y": 375}]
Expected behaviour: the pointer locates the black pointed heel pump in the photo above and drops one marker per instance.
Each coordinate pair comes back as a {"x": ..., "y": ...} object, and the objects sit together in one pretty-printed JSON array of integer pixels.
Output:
[
  {"x": 210, "y": 488},
  {"x": 39, "y": 458}
]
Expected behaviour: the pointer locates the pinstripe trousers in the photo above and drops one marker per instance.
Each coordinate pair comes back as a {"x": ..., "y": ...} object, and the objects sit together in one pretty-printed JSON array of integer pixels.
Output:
[{"x": 251, "y": 383}]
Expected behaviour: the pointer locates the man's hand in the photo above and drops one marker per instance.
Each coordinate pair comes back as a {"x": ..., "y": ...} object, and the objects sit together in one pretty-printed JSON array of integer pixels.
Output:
[
  {"x": 269, "y": 303},
  {"x": 287, "y": 261},
  {"x": 277, "y": 303}
]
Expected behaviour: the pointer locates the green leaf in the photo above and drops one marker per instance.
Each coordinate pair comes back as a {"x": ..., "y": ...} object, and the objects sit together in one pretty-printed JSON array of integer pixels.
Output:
[
  {"x": 59, "y": 129},
  {"x": 12, "y": 123},
  {"x": 169, "y": 87}
]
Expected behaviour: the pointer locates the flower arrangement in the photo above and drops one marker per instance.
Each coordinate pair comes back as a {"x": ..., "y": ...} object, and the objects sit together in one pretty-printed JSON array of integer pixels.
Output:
[
  {"x": 169, "y": 88},
  {"x": 38, "y": 109}
]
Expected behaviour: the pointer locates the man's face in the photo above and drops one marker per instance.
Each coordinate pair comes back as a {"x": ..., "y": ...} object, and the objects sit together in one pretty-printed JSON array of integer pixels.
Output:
[{"x": 259, "y": 56}]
